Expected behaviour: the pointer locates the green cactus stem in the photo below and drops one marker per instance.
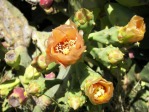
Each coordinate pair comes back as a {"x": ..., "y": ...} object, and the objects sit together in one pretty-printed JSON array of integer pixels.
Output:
[
  {"x": 12, "y": 59},
  {"x": 143, "y": 75},
  {"x": 5, "y": 105},
  {"x": 130, "y": 33},
  {"x": 107, "y": 56},
  {"x": 132, "y": 2},
  {"x": 55, "y": 89},
  {"x": 37, "y": 109},
  {"x": 25, "y": 58},
  {"x": 106, "y": 36},
  {"x": 7, "y": 86},
  {"x": 85, "y": 70},
  {"x": 118, "y": 15},
  {"x": 51, "y": 67},
  {"x": 139, "y": 106},
  {"x": 74, "y": 98},
  {"x": 40, "y": 39},
  {"x": 122, "y": 68}
]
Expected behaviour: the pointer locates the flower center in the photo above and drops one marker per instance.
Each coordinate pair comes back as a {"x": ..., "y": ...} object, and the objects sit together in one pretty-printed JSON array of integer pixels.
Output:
[
  {"x": 65, "y": 47},
  {"x": 99, "y": 91}
]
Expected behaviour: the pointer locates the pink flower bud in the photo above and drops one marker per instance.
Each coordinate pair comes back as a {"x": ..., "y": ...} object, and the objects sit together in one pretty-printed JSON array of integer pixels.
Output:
[
  {"x": 131, "y": 55},
  {"x": 17, "y": 97},
  {"x": 46, "y": 3},
  {"x": 50, "y": 75}
]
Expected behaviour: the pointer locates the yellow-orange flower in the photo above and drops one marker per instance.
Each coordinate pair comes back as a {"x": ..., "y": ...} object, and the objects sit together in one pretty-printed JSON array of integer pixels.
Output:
[
  {"x": 65, "y": 45},
  {"x": 133, "y": 31},
  {"x": 98, "y": 90}
]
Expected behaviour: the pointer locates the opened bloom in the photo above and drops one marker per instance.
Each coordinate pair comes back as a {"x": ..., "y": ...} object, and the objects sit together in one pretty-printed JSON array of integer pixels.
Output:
[
  {"x": 133, "y": 31},
  {"x": 65, "y": 45},
  {"x": 98, "y": 89}
]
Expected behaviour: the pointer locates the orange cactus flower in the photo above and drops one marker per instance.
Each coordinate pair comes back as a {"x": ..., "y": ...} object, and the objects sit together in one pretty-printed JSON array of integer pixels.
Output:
[
  {"x": 134, "y": 31},
  {"x": 98, "y": 90},
  {"x": 65, "y": 45}
]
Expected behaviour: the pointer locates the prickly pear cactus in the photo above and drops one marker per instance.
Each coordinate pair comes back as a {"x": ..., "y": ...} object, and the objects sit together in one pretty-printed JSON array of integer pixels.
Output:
[
  {"x": 74, "y": 56},
  {"x": 14, "y": 27}
]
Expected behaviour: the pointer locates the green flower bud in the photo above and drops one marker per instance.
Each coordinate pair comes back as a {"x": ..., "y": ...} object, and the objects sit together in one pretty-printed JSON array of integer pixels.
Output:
[
  {"x": 75, "y": 99},
  {"x": 84, "y": 19},
  {"x": 40, "y": 62},
  {"x": 7, "y": 86},
  {"x": 12, "y": 59},
  {"x": 106, "y": 36},
  {"x": 36, "y": 87},
  {"x": 115, "y": 56},
  {"x": 108, "y": 55},
  {"x": 31, "y": 73}
]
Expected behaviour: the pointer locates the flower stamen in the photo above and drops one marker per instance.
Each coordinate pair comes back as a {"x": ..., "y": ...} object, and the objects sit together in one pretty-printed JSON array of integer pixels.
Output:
[
  {"x": 65, "y": 47},
  {"x": 99, "y": 92}
]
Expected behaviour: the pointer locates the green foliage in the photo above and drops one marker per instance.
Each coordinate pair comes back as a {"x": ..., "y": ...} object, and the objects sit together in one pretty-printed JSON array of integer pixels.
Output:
[{"x": 25, "y": 30}]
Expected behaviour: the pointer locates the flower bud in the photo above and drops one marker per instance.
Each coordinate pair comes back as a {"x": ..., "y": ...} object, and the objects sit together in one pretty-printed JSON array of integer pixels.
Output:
[
  {"x": 12, "y": 59},
  {"x": 17, "y": 97},
  {"x": 133, "y": 31},
  {"x": 75, "y": 99},
  {"x": 7, "y": 86},
  {"x": 42, "y": 61},
  {"x": 30, "y": 73},
  {"x": 108, "y": 55},
  {"x": 115, "y": 56},
  {"x": 44, "y": 101},
  {"x": 84, "y": 19},
  {"x": 36, "y": 87},
  {"x": 46, "y": 3},
  {"x": 50, "y": 75},
  {"x": 97, "y": 89},
  {"x": 39, "y": 62}
]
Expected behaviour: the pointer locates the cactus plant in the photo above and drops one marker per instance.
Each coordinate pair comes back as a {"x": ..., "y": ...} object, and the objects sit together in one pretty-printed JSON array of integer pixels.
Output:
[{"x": 74, "y": 56}]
